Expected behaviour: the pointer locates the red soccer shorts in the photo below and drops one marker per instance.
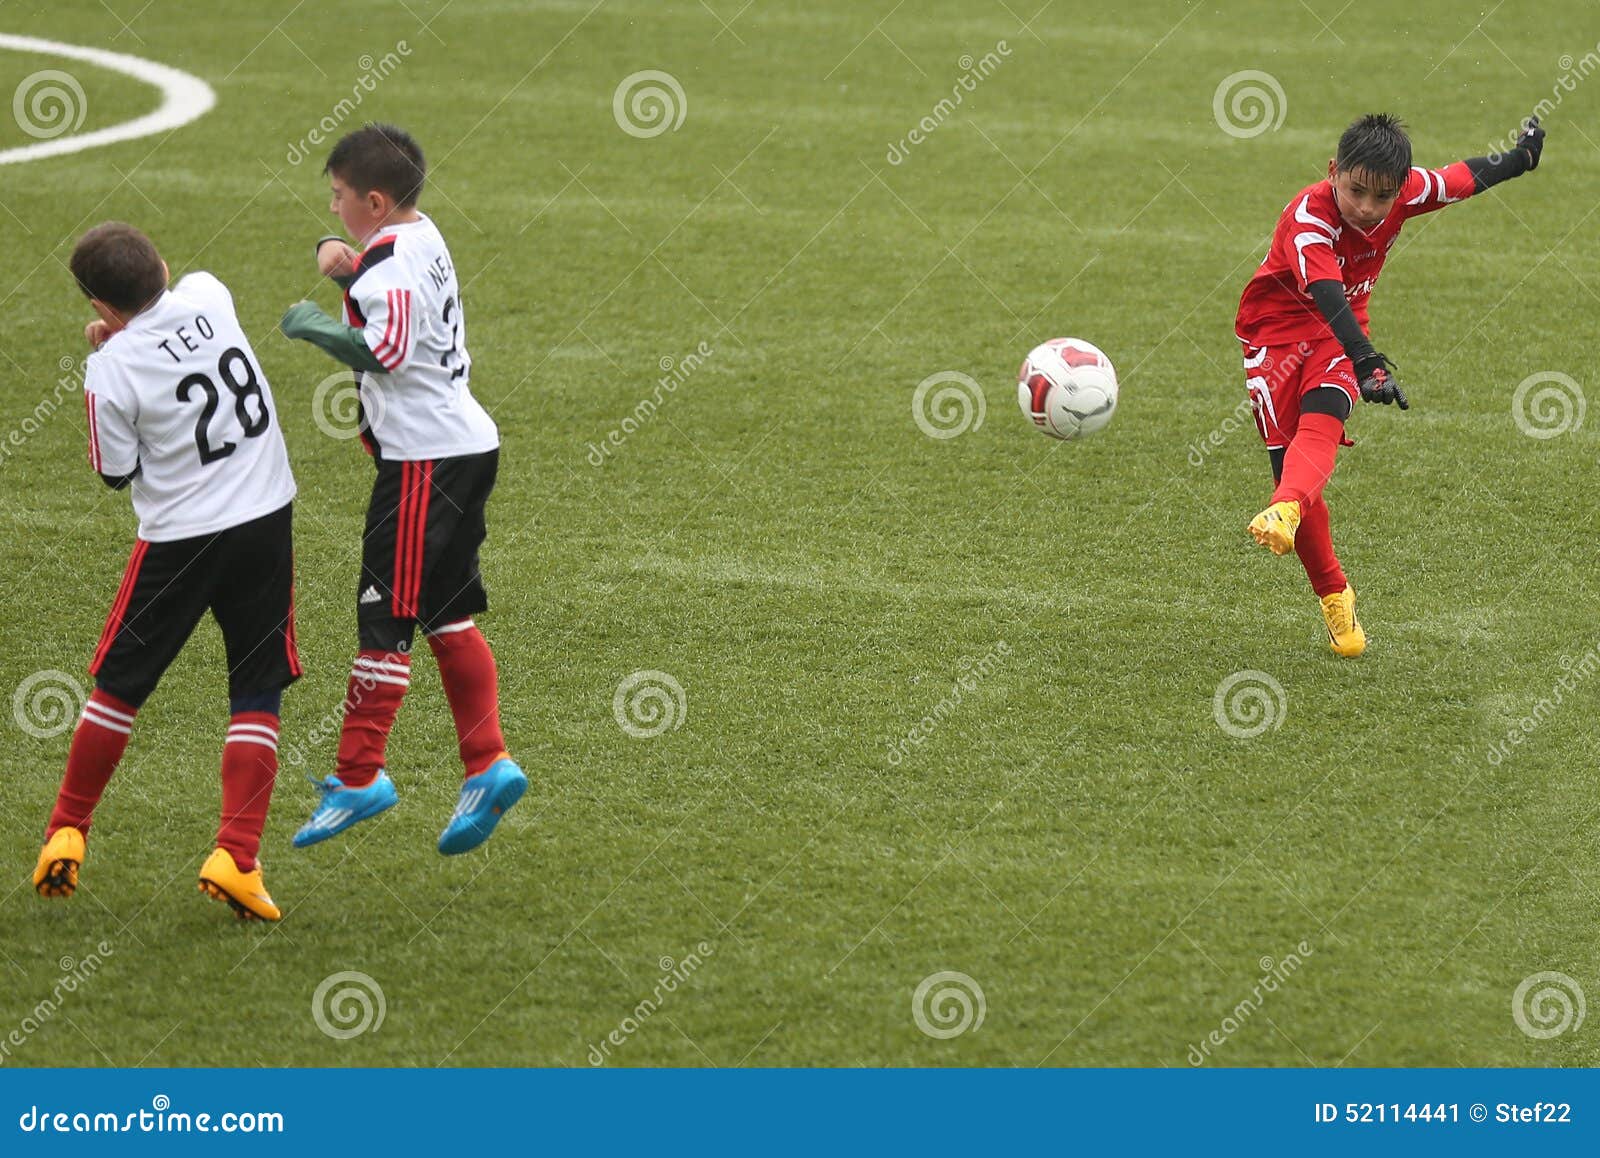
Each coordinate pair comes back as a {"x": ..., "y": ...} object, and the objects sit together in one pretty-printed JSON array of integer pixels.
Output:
[{"x": 1278, "y": 377}]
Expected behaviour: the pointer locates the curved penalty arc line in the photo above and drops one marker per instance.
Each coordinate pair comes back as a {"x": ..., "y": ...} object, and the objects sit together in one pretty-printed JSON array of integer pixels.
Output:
[{"x": 184, "y": 98}]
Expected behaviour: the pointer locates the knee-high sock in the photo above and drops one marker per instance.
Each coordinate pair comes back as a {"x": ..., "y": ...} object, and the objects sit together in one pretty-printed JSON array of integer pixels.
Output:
[
  {"x": 249, "y": 767},
  {"x": 1309, "y": 459},
  {"x": 471, "y": 684},
  {"x": 1313, "y": 542},
  {"x": 97, "y": 746},
  {"x": 378, "y": 683}
]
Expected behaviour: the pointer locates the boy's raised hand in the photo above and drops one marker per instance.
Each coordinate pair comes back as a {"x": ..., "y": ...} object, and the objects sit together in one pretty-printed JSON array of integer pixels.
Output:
[
  {"x": 335, "y": 258},
  {"x": 1531, "y": 142}
]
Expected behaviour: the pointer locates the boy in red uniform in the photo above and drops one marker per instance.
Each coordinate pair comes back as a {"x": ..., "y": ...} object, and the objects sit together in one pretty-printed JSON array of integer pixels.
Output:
[{"x": 1303, "y": 322}]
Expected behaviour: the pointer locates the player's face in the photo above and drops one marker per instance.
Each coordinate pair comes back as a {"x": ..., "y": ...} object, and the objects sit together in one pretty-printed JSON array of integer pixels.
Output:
[
  {"x": 1364, "y": 199},
  {"x": 354, "y": 211}
]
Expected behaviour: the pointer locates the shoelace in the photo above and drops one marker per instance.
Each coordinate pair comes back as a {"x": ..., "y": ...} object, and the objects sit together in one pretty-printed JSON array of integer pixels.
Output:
[{"x": 1341, "y": 621}]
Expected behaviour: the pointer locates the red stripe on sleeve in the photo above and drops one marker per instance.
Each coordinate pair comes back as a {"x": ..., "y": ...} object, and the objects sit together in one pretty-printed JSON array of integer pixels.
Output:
[
  {"x": 94, "y": 432},
  {"x": 392, "y": 351},
  {"x": 388, "y": 330}
]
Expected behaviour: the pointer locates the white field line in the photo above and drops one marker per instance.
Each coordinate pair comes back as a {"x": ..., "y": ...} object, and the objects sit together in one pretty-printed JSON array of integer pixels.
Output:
[{"x": 183, "y": 98}]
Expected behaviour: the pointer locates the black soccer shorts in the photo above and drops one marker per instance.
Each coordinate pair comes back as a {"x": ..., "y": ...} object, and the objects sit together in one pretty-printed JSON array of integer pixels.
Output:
[
  {"x": 244, "y": 576},
  {"x": 419, "y": 559}
]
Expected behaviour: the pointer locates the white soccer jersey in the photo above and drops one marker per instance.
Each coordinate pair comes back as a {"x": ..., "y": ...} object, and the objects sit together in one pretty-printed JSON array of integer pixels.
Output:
[
  {"x": 406, "y": 299},
  {"x": 179, "y": 397}
]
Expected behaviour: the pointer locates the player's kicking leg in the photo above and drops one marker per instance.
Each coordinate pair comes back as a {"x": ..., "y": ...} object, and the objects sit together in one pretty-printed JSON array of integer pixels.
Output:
[
  {"x": 1337, "y": 598},
  {"x": 1298, "y": 518}
]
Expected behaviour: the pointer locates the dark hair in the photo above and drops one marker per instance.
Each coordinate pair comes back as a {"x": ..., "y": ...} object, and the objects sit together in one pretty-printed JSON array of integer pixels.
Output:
[
  {"x": 118, "y": 265},
  {"x": 1377, "y": 143},
  {"x": 380, "y": 157}
]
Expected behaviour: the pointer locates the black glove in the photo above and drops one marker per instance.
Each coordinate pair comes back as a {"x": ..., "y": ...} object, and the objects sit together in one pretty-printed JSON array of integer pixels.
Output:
[
  {"x": 1531, "y": 142},
  {"x": 1378, "y": 384}
]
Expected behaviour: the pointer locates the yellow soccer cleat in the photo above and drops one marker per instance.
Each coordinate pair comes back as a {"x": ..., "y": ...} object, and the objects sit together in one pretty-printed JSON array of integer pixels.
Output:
[
  {"x": 221, "y": 880},
  {"x": 1274, "y": 527},
  {"x": 1344, "y": 630},
  {"x": 56, "y": 874}
]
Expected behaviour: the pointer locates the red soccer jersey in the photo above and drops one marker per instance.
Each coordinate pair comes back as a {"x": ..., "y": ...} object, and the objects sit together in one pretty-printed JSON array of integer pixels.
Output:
[{"x": 1312, "y": 242}]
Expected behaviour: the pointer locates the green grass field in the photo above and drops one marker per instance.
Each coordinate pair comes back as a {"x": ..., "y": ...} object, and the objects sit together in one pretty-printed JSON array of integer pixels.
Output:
[{"x": 1075, "y": 832}]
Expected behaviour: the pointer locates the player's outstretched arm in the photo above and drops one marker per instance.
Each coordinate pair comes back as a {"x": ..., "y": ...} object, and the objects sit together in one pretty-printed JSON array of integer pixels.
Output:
[
  {"x": 1523, "y": 158},
  {"x": 307, "y": 322}
]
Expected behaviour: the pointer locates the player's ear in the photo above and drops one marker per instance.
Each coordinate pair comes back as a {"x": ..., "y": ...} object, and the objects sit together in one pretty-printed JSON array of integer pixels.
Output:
[
  {"x": 108, "y": 315},
  {"x": 166, "y": 274},
  {"x": 1333, "y": 167}
]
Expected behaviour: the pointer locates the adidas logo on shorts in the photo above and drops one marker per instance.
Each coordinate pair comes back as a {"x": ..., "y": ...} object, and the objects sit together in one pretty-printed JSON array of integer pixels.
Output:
[{"x": 370, "y": 595}]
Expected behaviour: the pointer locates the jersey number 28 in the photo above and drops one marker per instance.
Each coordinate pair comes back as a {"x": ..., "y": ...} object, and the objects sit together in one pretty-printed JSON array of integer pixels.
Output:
[{"x": 238, "y": 374}]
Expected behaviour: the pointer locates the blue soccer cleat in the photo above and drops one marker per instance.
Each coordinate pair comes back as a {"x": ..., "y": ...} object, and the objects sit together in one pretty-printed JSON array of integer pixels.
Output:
[
  {"x": 484, "y": 799},
  {"x": 341, "y": 807}
]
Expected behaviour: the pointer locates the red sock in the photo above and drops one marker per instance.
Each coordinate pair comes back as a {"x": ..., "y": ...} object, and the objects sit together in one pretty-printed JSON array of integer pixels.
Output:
[
  {"x": 97, "y": 746},
  {"x": 378, "y": 683},
  {"x": 471, "y": 684},
  {"x": 249, "y": 766},
  {"x": 1309, "y": 460},
  {"x": 1313, "y": 542}
]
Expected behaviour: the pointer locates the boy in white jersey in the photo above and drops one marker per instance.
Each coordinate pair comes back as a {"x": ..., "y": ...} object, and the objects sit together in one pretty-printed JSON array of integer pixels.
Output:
[
  {"x": 437, "y": 451},
  {"x": 180, "y": 412}
]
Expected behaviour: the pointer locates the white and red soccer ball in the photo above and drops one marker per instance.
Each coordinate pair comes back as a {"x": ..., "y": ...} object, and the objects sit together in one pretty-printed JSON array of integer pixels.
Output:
[{"x": 1067, "y": 388}]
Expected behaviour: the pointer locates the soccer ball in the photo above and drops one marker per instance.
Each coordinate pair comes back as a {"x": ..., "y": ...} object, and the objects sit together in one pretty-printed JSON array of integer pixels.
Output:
[{"x": 1067, "y": 388}]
